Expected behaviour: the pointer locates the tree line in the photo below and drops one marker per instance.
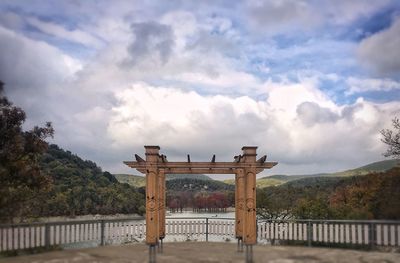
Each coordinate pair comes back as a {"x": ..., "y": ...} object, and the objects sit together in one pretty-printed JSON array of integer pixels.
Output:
[
  {"x": 372, "y": 196},
  {"x": 202, "y": 201}
]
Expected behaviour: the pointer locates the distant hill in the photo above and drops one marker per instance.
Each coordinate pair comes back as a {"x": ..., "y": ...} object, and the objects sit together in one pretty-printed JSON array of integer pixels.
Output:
[
  {"x": 140, "y": 181},
  {"x": 380, "y": 166},
  {"x": 261, "y": 182}
]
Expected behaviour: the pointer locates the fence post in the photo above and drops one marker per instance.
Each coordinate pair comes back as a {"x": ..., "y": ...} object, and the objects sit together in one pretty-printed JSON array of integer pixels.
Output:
[
  {"x": 372, "y": 235},
  {"x": 47, "y": 235},
  {"x": 309, "y": 233},
  {"x": 102, "y": 225},
  {"x": 206, "y": 229}
]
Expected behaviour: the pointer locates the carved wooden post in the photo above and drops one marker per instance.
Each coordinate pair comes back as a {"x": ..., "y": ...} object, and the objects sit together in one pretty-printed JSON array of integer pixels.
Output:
[
  {"x": 250, "y": 224},
  {"x": 161, "y": 204},
  {"x": 239, "y": 203},
  {"x": 152, "y": 153}
]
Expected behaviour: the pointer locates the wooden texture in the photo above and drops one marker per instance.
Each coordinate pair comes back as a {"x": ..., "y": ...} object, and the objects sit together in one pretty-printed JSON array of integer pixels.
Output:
[
  {"x": 250, "y": 221},
  {"x": 161, "y": 204},
  {"x": 151, "y": 196},
  {"x": 239, "y": 202}
]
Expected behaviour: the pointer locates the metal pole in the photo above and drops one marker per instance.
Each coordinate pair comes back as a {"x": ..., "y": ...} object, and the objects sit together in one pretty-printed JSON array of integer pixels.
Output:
[
  {"x": 160, "y": 246},
  {"x": 47, "y": 236},
  {"x": 309, "y": 233},
  {"x": 152, "y": 254},
  {"x": 206, "y": 229},
  {"x": 249, "y": 254},
  {"x": 102, "y": 225},
  {"x": 372, "y": 236}
]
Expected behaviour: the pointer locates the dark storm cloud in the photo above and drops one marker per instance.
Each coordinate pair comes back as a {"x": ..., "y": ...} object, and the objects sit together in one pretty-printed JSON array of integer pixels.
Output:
[
  {"x": 150, "y": 38},
  {"x": 310, "y": 113}
]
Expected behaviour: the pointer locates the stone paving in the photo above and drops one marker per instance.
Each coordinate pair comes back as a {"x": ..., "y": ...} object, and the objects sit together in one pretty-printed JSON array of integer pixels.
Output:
[{"x": 205, "y": 252}]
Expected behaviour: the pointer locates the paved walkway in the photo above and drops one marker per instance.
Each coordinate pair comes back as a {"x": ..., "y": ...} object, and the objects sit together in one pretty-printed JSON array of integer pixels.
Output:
[{"x": 205, "y": 252}]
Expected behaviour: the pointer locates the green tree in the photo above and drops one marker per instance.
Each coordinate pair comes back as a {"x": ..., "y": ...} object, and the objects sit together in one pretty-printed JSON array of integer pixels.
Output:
[
  {"x": 20, "y": 175},
  {"x": 392, "y": 139}
]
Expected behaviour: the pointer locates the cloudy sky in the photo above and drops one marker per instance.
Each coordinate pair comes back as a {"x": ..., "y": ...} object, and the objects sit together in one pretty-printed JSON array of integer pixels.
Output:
[{"x": 310, "y": 82}]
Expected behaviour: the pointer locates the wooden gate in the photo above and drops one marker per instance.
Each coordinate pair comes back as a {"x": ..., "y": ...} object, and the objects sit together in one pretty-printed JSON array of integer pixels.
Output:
[{"x": 245, "y": 167}]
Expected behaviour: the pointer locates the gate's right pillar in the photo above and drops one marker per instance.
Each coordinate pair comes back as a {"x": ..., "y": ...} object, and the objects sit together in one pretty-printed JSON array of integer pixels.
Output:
[
  {"x": 239, "y": 202},
  {"x": 250, "y": 221}
]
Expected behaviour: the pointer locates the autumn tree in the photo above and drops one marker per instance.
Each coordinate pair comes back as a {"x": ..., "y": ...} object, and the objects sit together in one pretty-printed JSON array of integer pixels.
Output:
[
  {"x": 20, "y": 175},
  {"x": 392, "y": 139}
]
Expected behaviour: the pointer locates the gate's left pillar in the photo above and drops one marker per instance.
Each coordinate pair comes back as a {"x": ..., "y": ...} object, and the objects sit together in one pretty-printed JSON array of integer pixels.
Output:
[{"x": 152, "y": 205}]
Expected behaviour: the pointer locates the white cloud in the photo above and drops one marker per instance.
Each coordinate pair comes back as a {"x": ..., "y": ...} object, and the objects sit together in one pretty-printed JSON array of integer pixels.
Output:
[
  {"x": 182, "y": 122},
  {"x": 380, "y": 51},
  {"x": 357, "y": 85}
]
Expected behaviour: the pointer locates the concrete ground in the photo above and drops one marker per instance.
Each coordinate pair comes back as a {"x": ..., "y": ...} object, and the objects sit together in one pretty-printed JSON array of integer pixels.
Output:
[{"x": 205, "y": 252}]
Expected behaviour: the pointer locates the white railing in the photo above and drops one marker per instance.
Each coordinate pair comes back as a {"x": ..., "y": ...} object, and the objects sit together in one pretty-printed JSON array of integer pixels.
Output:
[
  {"x": 95, "y": 232},
  {"x": 14, "y": 237},
  {"x": 369, "y": 233}
]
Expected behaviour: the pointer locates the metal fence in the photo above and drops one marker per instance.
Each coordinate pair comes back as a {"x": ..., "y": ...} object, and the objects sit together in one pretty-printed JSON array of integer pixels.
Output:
[{"x": 352, "y": 233}]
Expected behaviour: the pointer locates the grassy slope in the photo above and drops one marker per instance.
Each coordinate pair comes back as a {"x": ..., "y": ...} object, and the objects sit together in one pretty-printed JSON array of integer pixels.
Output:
[{"x": 135, "y": 180}]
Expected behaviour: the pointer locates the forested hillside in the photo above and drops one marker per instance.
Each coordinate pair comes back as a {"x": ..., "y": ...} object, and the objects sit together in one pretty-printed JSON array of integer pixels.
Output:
[
  {"x": 80, "y": 187},
  {"x": 372, "y": 196}
]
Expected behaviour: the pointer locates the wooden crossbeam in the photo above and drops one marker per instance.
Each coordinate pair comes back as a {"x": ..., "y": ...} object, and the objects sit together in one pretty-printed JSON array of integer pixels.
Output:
[
  {"x": 197, "y": 171},
  {"x": 206, "y": 165}
]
